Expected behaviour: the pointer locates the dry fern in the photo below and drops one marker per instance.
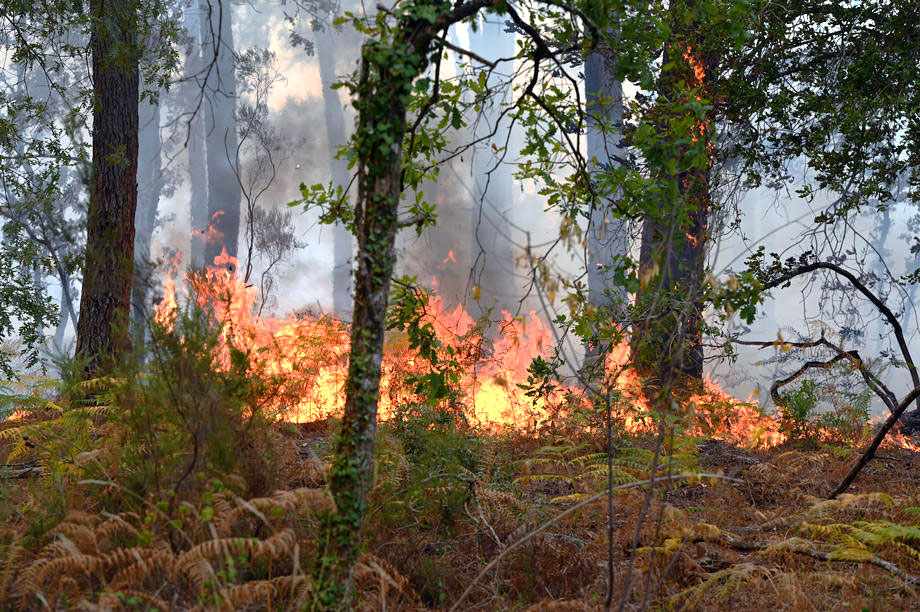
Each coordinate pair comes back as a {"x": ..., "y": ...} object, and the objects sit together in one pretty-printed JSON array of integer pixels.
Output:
[{"x": 382, "y": 586}]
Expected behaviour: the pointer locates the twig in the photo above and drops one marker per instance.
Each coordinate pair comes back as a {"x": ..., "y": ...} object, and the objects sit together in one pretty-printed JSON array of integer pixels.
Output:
[
  {"x": 823, "y": 556},
  {"x": 873, "y": 382},
  {"x": 19, "y": 470},
  {"x": 876, "y": 301}
]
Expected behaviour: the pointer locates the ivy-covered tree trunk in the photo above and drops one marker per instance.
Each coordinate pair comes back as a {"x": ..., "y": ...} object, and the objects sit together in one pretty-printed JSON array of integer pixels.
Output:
[
  {"x": 384, "y": 88},
  {"x": 102, "y": 331},
  {"x": 667, "y": 339},
  {"x": 387, "y": 73}
]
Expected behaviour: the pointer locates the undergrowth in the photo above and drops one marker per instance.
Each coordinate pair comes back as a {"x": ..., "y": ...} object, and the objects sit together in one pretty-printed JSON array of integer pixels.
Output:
[{"x": 174, "y": 485}]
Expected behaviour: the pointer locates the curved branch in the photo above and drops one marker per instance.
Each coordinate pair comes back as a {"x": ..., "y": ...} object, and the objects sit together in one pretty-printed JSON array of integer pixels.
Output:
[
  {"x": 883, "y": 392},
  {"x": 876, "y": 301},
  {"x": 869, "y": 453}
]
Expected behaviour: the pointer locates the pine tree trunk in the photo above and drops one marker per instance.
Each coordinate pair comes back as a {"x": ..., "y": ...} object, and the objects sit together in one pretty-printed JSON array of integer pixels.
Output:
[
  {"x": 102, "y": 331},
  {"x": 224, "y": 193}
]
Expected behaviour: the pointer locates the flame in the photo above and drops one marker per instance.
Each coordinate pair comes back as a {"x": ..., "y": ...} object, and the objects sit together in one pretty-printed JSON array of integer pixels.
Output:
[
  {"x": 212, "y": 234},
  {"x": 311, "y": 354},
  {"x": 699, "y": 76}
]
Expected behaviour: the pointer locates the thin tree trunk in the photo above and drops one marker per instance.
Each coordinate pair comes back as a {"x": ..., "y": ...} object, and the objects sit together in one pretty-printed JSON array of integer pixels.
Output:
[
  {"x": 224, "y": 193},
  {"x": 386, "y": 76},
  {"x": 102, "y": 331},
  {"x": 492, "y": 252},
  {"x": 197, "y": 168},
  {"x": 608, "y": 236},
  {"x": 150, "y": 183},
  {"x": 343, "y": 241}
]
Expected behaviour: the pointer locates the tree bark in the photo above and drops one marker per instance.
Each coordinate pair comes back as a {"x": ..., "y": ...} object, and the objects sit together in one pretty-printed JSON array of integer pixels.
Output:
[
  {"x": 608, "y": 236},
  {"x": 667, "y": 341},
  {"x": 224, "y": 194},
  {"x": 491, "y": 251},
  {"x": 343, "y": 241},
  {"x": 197, "y": 168},
  {"x": 102, "y": 331},
  {"x": 150, "y": 183},
  {"x": 386, "y": 76}
]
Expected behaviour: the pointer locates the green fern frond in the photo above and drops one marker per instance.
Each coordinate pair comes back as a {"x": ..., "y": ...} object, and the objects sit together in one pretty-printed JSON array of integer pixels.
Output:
[{"x": 531, "y": 478}]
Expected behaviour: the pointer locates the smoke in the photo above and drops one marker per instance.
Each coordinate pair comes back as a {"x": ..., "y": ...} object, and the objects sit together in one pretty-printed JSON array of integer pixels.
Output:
[{"x": 444, "y": 257}]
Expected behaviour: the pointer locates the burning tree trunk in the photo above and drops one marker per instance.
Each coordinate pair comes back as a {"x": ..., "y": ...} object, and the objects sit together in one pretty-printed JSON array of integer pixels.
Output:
[
  {"x": 102, "y": 330},
  {"x": 608, "y": 236},
  {"x": 220, "y": 126},
  {"x": 343, "y": 241},
  {"x": 667, "y": 339}
]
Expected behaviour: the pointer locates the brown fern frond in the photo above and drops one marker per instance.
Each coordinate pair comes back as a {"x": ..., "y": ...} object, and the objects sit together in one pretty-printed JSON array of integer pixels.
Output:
[
  {"x": 258, "y": 593},
  {"x": 224, "y": 515},
  {"x": 304, "y": 501},
  {"x": 12, "y": 558},
  {"x": 133, "y": 565},
  {"x": 382, "y": 586},
  {"x": 134, "y": 574},
  {"x": 278, "y": 544},
  {"x": 198, "y": 571},
  {"x": 111, "y": 528},
  {"x": 35, "y": 575},
  {"x": 78, "y": 517},
  {"x": 82, "y": 536},
  {"x": 117, "y": 596}
]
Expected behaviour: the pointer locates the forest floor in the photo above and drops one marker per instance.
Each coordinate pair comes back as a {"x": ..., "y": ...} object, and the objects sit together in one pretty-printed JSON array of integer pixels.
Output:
[
  {"x": 452, "y": 521},
  {"x": 769, "y": 542}
]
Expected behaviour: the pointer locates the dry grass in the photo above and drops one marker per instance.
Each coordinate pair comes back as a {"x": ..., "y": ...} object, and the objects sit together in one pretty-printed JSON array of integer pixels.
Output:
[{"x": 767, "y": 543}]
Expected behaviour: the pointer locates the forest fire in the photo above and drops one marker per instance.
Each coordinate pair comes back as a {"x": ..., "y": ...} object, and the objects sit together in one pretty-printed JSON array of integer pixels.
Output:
[{"x": 310, "y": 352}]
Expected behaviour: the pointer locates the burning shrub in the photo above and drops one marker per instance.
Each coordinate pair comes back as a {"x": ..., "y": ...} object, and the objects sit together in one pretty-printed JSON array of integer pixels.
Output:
[
  {"x": 800, "y": 417},
  {"x": 189, "y": 417}
]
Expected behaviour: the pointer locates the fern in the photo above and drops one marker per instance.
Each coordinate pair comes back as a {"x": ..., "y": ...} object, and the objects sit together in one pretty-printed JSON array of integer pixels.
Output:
[{"x": 592, "y": 471}]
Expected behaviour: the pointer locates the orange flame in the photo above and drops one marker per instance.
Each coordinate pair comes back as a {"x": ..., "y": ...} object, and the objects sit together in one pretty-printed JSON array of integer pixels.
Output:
[{"x": 312, "y": 354}]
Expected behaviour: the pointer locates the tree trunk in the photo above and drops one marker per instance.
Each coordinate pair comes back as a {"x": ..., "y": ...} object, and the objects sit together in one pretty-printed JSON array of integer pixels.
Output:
[
  {"x": 102, "y": 331},
  {"x": 150, "y": 183},
  {"x": 667, "y": 341},
  {"x": 608, "y": 236},
  {"x": 224, "y": 192},
  {"x": 491, "y": 250},
  {"x": 197, "y": 169},
  {"x": 343, "y": 241},
  {"x": 386, "y": 76}
]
